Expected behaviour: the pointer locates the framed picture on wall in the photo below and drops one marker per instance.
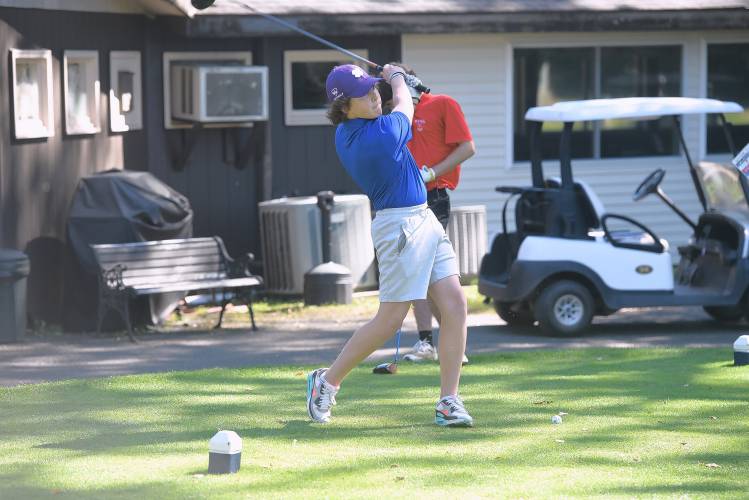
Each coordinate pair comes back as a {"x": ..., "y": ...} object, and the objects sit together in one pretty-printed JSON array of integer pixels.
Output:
[
  {"x": 125, "y": 91},
  {"x": 82, "y": 86},
  {"x": 33, "y": 115}
]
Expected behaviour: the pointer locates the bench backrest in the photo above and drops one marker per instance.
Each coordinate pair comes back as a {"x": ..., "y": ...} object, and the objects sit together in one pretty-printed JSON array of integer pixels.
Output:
[{"x": 165, "y": 261}]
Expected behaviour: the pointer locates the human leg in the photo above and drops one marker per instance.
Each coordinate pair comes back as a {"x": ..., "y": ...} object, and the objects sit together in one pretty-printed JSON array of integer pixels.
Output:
[
  {"x": 323, "y": 383},
  {"x": 438, "y": 202},
  {"x": 449, "y": 298},
  {"x": 367, "y": 338},
  {"x": 424, "y": 349}
]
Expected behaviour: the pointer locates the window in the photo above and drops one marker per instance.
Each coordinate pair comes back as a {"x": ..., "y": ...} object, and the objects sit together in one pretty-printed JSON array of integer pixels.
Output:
[
  {"x": 82, "y": 87},
  {"x": 170, "y": 58},
  {"x": 32, "y": 93},
  {"x": 545, "y": 76},
  {"x": 728, "y": 80},
  {"x": 305, "y": 71},
  {"x": 125, "y": 93}
]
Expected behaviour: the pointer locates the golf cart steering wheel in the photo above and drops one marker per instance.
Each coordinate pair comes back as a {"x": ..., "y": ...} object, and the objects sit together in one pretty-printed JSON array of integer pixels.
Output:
[
  {"x": 649, "y": 185},
  {"x": 655, "y": 247}
]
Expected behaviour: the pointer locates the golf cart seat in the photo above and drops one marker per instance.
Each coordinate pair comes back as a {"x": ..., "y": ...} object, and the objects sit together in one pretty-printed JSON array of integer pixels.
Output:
[
  {"x": 589, "y": 204},
  {"x": 546, "y": 212}
]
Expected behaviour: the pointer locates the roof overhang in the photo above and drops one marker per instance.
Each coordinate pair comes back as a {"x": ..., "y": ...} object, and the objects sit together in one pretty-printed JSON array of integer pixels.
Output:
[
  {"x": 179, "y": 8},
  {"x": 506, "y": 22}
]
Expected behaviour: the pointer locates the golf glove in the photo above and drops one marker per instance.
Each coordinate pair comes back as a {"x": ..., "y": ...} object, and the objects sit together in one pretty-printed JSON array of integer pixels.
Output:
[{"x": 427, "y": 174}]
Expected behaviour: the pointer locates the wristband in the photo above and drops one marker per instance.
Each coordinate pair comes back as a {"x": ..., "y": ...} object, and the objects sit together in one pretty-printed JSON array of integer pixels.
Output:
[
  {"x": 427, "y": 174},
  {"x": 396, "y": 74}
]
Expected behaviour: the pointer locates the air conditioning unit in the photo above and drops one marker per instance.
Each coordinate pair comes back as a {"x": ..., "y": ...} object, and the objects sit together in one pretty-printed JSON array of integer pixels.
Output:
[
  {"x": 467, "y": 232},
  {"x": 226, "y": 93},
  {"x": 290, "y": 233}
]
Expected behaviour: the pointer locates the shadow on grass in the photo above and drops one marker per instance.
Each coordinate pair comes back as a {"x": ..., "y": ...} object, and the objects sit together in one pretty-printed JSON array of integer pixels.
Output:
[{"x": 624, "y": 396}]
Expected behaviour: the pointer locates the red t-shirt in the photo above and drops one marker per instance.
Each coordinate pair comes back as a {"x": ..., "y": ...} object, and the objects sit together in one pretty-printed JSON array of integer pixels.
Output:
[{"x": 438, "y": 127}]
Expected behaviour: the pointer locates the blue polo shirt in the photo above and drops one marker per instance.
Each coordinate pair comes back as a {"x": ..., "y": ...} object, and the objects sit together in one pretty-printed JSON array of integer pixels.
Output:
[{"x": 375, "y": 155}]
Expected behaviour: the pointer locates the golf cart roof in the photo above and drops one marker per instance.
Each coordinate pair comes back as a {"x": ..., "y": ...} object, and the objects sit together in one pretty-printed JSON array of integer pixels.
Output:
[{"x": 628, "y": 107}]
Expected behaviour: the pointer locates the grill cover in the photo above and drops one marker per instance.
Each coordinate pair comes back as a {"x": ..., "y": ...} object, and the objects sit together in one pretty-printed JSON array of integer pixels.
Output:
[{"x": 118, "y": 206}]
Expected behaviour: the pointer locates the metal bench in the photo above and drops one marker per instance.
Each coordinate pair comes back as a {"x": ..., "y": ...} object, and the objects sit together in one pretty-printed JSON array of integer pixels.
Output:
[{"x": 128, "y": 270}]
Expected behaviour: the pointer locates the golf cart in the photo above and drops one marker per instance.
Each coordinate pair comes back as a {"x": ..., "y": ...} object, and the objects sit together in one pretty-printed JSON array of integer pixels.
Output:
[{"x": 569, "y": 260}]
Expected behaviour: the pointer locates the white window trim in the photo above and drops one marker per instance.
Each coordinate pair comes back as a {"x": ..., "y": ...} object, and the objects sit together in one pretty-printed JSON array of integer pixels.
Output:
[
  {"x": 129, "y": 60},
  {"x": 46, "y": 128},
  {"x": 558, "y": 44},
  {"x": 93, "y": 89},
  {"x": 713, "y": 39},
  {"x": 293, "y": 117},
  {"x": 242, "y": 57}
]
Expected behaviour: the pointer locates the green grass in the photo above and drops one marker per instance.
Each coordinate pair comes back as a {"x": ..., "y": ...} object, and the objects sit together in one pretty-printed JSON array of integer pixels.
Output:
[{"x": 639, "y": 423}]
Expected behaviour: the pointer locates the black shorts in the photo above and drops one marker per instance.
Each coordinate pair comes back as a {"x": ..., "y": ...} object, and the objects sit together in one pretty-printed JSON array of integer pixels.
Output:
[{"x": 439, "y": 201}]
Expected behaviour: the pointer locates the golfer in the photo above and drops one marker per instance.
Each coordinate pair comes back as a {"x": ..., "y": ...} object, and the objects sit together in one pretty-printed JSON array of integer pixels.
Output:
[
  {"x": 441, "y": 142},
  {"x": 414, "y": 255}
]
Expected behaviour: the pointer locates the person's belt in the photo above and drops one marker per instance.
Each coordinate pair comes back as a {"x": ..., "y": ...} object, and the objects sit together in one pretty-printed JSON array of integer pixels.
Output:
[{"x": 439, "y": 190}]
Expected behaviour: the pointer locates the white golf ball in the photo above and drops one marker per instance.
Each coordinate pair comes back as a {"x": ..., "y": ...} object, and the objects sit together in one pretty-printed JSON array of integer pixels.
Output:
[{"x": 556, "y": 419}]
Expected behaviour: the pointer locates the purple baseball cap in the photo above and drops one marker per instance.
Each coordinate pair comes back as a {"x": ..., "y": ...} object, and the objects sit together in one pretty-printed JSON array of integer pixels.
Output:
[{"x": 348, "y": 80}]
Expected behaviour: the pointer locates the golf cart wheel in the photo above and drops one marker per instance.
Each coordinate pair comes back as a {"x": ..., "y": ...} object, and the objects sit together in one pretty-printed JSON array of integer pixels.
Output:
[
  {"x": 511, "y": 317},
  {"x": 564, "y": 308},
  {"x": 725, "y": 313}
]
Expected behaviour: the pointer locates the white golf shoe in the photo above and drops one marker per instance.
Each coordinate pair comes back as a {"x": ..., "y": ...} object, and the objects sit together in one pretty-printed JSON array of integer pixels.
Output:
[
  {"x": 451, "y": 412},
  {"x": 422, "y": 351}
]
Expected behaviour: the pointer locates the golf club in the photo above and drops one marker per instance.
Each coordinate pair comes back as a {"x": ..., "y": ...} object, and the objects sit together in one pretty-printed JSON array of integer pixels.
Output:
[
  {"x": 390, "y": 368},
  {"x": 411, "y": 80}
]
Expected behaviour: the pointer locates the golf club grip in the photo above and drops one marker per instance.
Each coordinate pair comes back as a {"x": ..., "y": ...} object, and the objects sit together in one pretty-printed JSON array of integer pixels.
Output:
[
  {"x": 420, "y": 87},
  {"x": 423, "y": 89}
]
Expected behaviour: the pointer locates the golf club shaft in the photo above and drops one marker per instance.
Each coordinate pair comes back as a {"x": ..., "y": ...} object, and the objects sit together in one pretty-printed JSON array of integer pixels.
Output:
[
  {"x": 306, "y": 33},
  {"x": 397, "y": 345},
  {"x": 420, "y": 87}
]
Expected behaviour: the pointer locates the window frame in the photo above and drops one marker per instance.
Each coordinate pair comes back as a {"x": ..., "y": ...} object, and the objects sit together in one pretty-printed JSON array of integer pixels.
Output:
[
  {"x": 46, "y": 127},
  {"x": 129, "y": 60},
  {"x": 705, "y": 41},
  {"x": 306, "y": 117},
  {"x": 89, "y": 58},
  {"x": 581, "y": 43},
  {"x": 243, "y": 57}
]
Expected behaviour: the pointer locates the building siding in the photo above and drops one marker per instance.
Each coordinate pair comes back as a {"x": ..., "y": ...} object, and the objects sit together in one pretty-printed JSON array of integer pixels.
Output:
[
  {"x": 39, "y": 176},
  {"x": 479, "y": 76}
]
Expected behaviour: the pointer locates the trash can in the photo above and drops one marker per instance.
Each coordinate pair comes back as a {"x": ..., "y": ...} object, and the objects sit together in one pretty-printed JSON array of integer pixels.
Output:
[{"x": 14, "y": 269}]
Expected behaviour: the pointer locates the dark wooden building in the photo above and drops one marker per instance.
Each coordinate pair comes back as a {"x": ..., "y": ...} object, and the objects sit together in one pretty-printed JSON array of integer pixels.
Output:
[{"x": 223, "y": 171}]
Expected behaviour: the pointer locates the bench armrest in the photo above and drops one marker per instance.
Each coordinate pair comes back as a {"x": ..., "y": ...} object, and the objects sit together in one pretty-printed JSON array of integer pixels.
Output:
[
  {"x": 112, "y": 278},
  {"x": 241, "y": 266}
]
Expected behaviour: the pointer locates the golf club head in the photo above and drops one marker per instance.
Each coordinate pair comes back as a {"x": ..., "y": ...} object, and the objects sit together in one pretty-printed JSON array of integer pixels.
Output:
[
  {"x": 202, "y": 4},
  {"x": 386, "y": 369}
]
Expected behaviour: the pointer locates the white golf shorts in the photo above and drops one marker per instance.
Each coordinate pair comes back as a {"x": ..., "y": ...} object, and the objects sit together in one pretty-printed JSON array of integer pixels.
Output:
[{"x": 412, "y": 252}]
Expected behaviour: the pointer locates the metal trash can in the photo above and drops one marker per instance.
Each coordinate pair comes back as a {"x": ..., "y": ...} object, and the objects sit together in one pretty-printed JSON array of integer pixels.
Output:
[
  {"x": 14, "y": 269},
  {"x": 467, "y": 233}
]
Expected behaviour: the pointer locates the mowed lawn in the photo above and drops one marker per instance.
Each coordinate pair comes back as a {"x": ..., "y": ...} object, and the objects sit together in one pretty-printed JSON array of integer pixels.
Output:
[{"x": 639, "y": 423}]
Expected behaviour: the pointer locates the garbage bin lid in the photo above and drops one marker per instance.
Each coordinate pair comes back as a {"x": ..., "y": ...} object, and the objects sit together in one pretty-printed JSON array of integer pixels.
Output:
[{"x": 13, "y": 262}]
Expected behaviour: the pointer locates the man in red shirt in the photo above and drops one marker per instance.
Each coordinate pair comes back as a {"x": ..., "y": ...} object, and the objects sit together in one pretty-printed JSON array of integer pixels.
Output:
[{"x": 441, "y": 142}]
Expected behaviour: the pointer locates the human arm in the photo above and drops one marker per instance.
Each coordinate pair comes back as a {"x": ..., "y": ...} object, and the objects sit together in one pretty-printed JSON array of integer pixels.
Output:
[
  {"x": 455, "y": 134},
  {"x": 395, "y": 76},
  {"x": 458, "y": 155}
]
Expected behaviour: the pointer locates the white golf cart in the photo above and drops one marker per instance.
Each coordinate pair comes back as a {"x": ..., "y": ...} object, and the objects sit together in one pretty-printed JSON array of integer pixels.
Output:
[{"x": 569, "y": 260}]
